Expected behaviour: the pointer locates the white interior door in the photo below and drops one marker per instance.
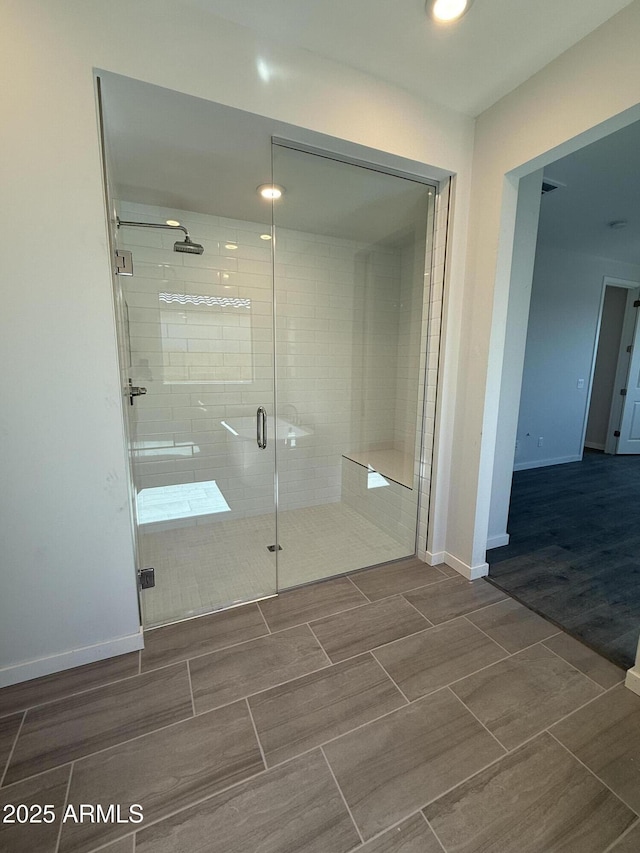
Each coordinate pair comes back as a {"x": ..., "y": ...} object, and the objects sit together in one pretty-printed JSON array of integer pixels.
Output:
[{"x": 629, "y": 439}]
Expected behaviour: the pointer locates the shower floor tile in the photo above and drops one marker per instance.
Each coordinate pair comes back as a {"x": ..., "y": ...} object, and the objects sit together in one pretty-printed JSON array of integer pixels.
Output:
[{"x": 203, "y": 567}]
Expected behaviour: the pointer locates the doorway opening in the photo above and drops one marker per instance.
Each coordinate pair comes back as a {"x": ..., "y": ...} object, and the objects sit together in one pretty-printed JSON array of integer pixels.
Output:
[{"x": 572, "y": 554}]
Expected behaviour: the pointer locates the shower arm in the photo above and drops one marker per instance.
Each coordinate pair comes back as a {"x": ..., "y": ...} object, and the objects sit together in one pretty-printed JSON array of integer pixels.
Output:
[{"x": 121, "y": 222}]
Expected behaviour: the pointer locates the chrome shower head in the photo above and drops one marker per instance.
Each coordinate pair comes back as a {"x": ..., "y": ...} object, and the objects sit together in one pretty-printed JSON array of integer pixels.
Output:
[{"x": 187, "y": 245}]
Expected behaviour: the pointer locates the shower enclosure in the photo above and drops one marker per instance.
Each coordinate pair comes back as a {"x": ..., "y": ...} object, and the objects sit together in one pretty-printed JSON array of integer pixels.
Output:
[{"x": 279, "y": 438}]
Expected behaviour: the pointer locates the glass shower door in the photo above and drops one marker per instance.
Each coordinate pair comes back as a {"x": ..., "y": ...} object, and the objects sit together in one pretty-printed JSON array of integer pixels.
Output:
[
  {"x": 199, "y": 339},
  {"x": 350, "y": 245}
]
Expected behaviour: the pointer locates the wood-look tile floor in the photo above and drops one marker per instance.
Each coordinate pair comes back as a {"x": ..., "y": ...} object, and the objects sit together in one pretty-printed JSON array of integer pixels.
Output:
[
  {"x": 397, "y": 710},
  {"x": 573, "y": 555}
]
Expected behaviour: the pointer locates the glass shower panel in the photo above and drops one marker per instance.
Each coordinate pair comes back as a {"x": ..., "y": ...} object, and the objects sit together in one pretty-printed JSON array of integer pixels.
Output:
[
  {"x": 198, "y": 329},
  {"x": 350, "y": 246}
]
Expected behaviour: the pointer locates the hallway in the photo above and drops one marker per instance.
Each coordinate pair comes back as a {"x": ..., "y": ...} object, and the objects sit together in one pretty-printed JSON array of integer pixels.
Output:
[
  {"x": 400, "y": 709},
  {"x": 574, "y": 553}
]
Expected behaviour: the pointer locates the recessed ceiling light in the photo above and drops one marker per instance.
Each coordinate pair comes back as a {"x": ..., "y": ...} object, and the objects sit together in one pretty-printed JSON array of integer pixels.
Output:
[
  {"x": 446, "y": 11},
  {"x": 270, "y": 191},
  {"x": 231, "y": 246},
  {"x": 173, "y": 222},
  {"x": 265, "y": 236}
]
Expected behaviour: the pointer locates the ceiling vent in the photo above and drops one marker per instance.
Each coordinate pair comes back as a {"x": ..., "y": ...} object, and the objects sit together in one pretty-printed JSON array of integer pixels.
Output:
[{"x": 549, "y": 186}]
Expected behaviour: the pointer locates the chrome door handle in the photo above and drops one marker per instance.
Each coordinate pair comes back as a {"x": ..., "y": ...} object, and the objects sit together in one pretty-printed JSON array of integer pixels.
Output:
[
  {"x": 135, "y": 391},
  {"x": 261, "y": 427}
]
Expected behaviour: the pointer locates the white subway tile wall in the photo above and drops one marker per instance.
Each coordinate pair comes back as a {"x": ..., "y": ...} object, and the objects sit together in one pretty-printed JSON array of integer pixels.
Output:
[{"x": 200, "y": 337}]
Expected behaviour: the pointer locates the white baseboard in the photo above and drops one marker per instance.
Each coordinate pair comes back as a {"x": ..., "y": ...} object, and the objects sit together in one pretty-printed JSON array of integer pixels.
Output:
[
  {"x": 67, "y": 660},
  {"x": 546, "y": 463},
  {"x": 434, "y": 559},
  {"x": 497, "y": 541},
  {"x": 471, "y": 573},
  {"x": 632, "y": 680}
]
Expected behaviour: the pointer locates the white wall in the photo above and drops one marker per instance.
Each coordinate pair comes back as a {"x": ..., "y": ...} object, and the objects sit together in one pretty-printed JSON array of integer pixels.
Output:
[
  {"x": 561, "y": 338},
  {"x": 67, "y": 552},
  {"x": 574, "y": 100},
  {"x": 524, "y": 249}
]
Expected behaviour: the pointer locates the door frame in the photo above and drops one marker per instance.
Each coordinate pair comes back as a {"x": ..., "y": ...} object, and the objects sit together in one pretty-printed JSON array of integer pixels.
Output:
[
  {"x": 115, "y": 285},
  {"x": 622, "y": 369},
  {"x": 607, "y": 281},
  {"x": 428, "y": 379}
]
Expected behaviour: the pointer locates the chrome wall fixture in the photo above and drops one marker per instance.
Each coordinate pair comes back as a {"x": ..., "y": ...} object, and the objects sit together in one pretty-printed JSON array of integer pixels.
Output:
[{"x": 187, "y": 245}]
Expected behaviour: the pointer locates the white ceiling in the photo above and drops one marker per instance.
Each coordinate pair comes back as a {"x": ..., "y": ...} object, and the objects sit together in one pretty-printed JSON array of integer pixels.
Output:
[
  {"x": 467, "y": 66},
  {"x": 173, "y": 150}
]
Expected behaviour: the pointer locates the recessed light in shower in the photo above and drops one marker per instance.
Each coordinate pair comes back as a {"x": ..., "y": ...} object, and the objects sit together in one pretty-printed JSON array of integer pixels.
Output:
[
  {"x": 173, "y": 222},
  {"x": 265, "y": 236},
  {"x": 447, "y": 11},
  {"x": 270, "y": 191}
]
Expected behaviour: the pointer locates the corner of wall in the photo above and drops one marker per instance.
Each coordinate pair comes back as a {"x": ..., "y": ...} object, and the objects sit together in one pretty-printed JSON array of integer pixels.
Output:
[
  {"x": 68, "y": 660},
  {"x": 471, "y": 573},
  {"x": 632, "y": 681}
]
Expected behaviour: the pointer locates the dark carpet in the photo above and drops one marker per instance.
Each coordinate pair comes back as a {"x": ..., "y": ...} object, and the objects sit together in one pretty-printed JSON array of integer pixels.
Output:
[{"x": 574, "y": 551}]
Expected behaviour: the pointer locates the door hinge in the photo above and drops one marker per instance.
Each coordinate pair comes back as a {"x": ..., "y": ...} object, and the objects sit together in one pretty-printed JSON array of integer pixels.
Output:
[
  {"x": 146, "y": 578},
  {"x": 630, "y": 348},
  {"x": 636, "y": 304},
  {"x": 623, "y": 392},
  {"x": 616, "y": 433},
  {"x": 124, "y": 262}
]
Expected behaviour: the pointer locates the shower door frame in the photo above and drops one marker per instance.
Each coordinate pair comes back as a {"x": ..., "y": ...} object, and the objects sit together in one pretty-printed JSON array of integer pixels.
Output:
[
  {"x": 118, "y": 325},
  {"x": 431, "y": 326}
]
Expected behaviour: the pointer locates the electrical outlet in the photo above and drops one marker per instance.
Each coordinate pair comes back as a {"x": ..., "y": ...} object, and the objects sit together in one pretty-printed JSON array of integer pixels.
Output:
[
  {"x": 580, "y": 383},
  {"x": 541, "y": 441}
]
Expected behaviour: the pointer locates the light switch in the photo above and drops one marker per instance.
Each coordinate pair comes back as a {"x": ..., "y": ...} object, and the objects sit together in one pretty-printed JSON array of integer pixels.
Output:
[{"x": 580, "y": 383}]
